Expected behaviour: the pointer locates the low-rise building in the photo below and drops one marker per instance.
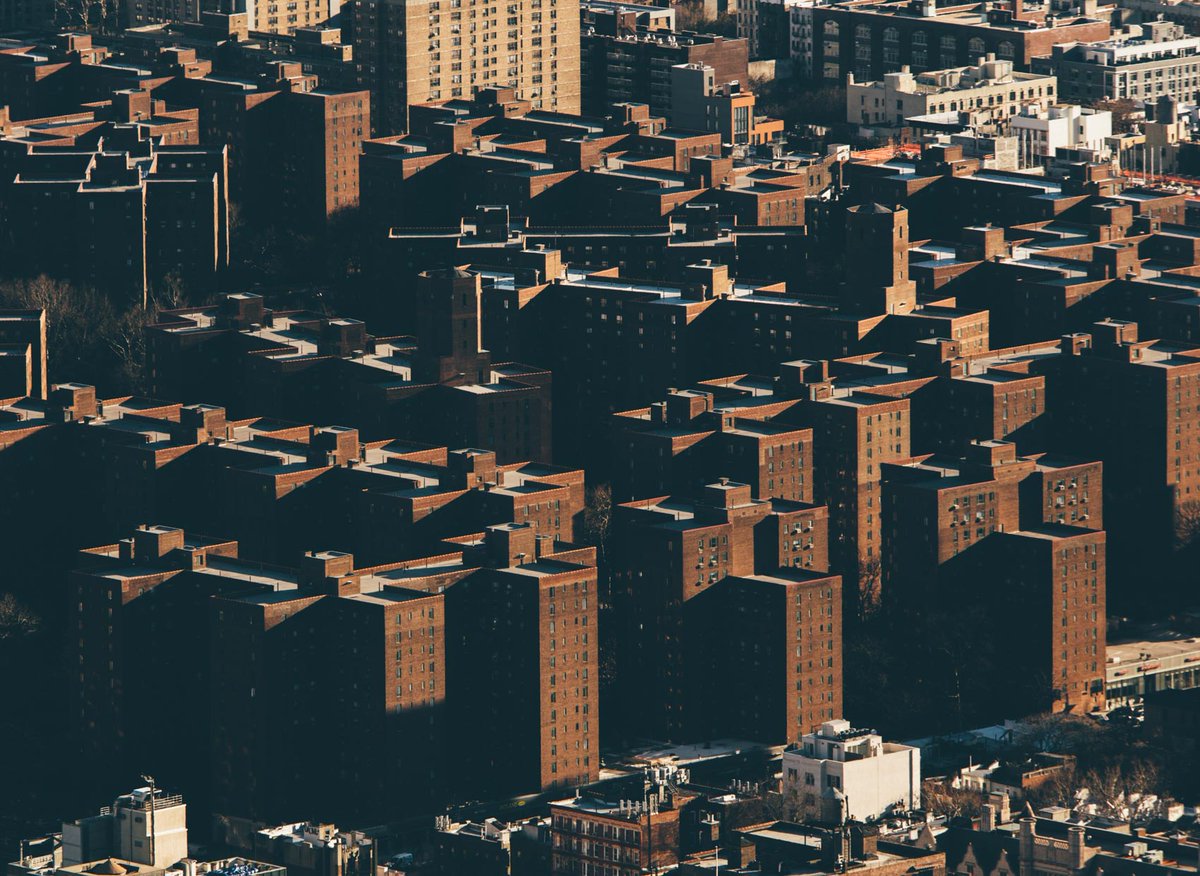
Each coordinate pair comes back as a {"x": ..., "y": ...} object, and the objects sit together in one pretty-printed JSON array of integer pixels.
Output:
[
  {"x": 625, "y": 837},
  {"x": 309, "y": 848},
  {"x": 788, "y": 847},
  {"x": 841, "y": 773},
  {"x": 492, "y": 847},
  {"x": 145, "y": 826},
  {"x": 987, "y": 93},
  {"x": 1042, "y": 131},
  {"x": 700, "y": 103},
  {"x": 1138, "y": 668},
  {"x": 871, "y": 39},
  {"x": 1151, "y": 60}
]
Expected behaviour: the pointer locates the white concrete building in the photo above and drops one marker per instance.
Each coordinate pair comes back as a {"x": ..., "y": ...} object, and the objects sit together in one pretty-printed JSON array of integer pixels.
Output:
[
  {"x": 142, "y": 826},
  {"x": 841, "y": 773},
  {"x": 982, "y": 95},
  {"x": 1042, "y": 131}
]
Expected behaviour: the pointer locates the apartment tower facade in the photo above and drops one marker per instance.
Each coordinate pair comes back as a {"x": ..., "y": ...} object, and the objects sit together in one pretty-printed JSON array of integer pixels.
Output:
[{"x": 416, "y": 51}]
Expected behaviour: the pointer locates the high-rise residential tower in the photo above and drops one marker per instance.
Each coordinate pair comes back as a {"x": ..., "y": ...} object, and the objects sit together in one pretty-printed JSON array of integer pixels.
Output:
[{"x": 415, "y": 51}]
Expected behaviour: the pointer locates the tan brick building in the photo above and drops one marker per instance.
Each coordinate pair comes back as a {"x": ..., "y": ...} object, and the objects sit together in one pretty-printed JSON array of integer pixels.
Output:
[{"x": 414, "y": 51}]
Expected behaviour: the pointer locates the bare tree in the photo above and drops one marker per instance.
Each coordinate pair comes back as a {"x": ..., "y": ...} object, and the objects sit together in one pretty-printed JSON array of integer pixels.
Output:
[
  {"x": 127, "y": 340},
  {"x": 1123, "y": 789},
  {"x": 868, "y": 592},
  {"x": 1123, "y": 111},
  {"x": 942, "y": 798},
  {"x": 88, "y": 15},
  {"x": 597, "y": 516},
  {"x": 1061, "y": 733},
  {"x": 17, "y": 620},
  {"x": 170, "y": 292},
  {"x": 1187, "y": 523},
  {"x": 86, "y": 337},
  {"x": 690, "y": 16}
]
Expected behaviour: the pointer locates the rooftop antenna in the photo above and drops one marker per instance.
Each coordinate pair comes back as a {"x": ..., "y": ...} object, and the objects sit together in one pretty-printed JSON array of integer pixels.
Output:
[{"x": 149, "y": 780}]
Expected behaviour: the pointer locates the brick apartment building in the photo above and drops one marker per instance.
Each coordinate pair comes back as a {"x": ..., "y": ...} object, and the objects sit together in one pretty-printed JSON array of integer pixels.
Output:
[
  {"x": 23, "y": 354},
  {"x": 675, "y": 445},
  {"x": 869, "y": 40},
  {"x": 273, "y": 17},
  {"x": 280, "y": 104},
  {"x": 268, "y": 645},
  {"x": 787, "y": 674},
  {"x": 136, "y": 107},
  {"x": 625, "y": 837},
  {"x": 668, "y": 553},
  {"x": 625, "y": 63},
  {"x": 293, "y": 143},
  {"x": 409, "y": 54},
  {"x": 1148, "y": 490},
  {"x": 254, "y": 665},
  {"x": 1054, "y": 576},
  {"x": 629, "y": 165},
  {"x": 226, "y": 45},
  {"x": 55, "y": 75},
  {"x": 114, "y": 210},
  {"x": 541, "y": 697},
  {"x": 1023, "y": 527},
  {"x": 298, "y": 365},
  {"x": 853, "y": 436},
  {"x": 277, "y": 487}
]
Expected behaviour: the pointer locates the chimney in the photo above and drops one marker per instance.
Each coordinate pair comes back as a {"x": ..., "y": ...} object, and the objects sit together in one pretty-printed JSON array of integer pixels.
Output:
[
  {"x": 1075, "y": 843},
  {"x": 987, "y": 818}
]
